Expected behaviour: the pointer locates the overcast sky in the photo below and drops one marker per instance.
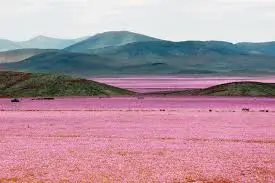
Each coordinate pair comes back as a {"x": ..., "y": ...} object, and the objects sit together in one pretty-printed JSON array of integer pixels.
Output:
[{"x": 229, "y": 20}]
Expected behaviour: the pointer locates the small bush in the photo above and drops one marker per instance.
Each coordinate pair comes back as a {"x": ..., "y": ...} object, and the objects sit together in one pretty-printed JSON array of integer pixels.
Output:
[{"x": 245, "y": 109}]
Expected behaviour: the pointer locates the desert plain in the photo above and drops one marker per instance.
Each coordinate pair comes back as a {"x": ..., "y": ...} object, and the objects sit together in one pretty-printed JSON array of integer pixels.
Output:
[{"x": 133, "y": 139}]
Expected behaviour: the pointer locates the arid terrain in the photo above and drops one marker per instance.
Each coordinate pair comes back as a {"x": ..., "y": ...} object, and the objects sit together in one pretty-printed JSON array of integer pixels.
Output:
[{"x": 126, "y": 139}]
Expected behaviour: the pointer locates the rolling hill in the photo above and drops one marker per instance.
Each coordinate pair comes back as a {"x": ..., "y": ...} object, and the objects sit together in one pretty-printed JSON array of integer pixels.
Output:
[
  {"x": 107, "y": 39},
  {"x": 229, "y": 89},
  {"x": 16, "y": 84},
  {"x": 21, "y": 54}
]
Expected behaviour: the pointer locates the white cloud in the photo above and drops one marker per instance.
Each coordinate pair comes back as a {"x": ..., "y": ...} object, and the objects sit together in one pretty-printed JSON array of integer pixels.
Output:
[{"x": 233, "y": 20}]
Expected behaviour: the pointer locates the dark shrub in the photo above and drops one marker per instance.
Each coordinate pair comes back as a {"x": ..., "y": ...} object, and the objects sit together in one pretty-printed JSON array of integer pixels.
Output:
[{"x": 15, "y": 100}]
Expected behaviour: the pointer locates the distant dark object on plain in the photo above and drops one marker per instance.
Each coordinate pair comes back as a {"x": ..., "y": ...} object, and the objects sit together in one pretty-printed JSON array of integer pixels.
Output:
[
  {"x": 15, "y": 100},
  {"x": 45, "y": 98},
  {"x": 245, "y": 110},
  {"x": 140, "y": 97}
]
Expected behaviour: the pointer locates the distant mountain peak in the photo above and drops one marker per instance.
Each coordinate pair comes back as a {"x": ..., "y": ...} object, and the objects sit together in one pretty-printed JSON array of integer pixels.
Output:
[
  {"x": 107, "y": 39},
  {"x": 40, "y": 37},
  {"x": 118, "y": 32},
  {"x": 125, "y": 33},
  {"x": 43, "y": 38}
]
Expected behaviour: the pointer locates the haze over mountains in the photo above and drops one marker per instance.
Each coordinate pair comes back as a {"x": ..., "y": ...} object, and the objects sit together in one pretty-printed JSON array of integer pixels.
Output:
[
  {"x": 20, "y": 54},
  {"x": 39, "y": 42},
  {"x": 122, "y": 52}
]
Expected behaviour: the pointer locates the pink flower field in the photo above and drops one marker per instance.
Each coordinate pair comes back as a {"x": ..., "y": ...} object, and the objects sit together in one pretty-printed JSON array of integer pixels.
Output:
[
  {"x": 173, "y": 140},
  {"x": 167, "y": 83}
]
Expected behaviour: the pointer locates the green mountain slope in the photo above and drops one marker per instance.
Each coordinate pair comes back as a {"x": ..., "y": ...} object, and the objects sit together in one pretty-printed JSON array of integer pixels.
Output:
[
  {"x": 16, "y": 84},
  {"x": 191, "y": 57},
  {"x": 62, "y": 62},
  {"x": 167, "y": 48},
  {"x": 106, "y": 39},
  {"x": 267, "y": 48},
  {"x": 230, "y": 89}
]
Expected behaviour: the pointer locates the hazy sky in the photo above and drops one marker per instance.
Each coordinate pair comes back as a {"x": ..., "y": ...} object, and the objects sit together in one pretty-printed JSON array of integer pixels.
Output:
[{"x": 230, "y": 20}]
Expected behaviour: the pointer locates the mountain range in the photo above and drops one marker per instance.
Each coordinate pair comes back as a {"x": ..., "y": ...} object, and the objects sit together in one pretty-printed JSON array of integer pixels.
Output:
[{"x": 122, "y": 52}]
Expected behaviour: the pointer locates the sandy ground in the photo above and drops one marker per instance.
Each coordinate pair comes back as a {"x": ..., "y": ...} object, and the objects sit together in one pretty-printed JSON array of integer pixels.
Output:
[{"x": 130, "y": 140}]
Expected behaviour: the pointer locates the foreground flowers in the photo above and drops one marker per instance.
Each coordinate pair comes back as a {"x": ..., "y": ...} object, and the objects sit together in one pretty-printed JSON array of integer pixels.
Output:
[{"x": 133, "y": 140}]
